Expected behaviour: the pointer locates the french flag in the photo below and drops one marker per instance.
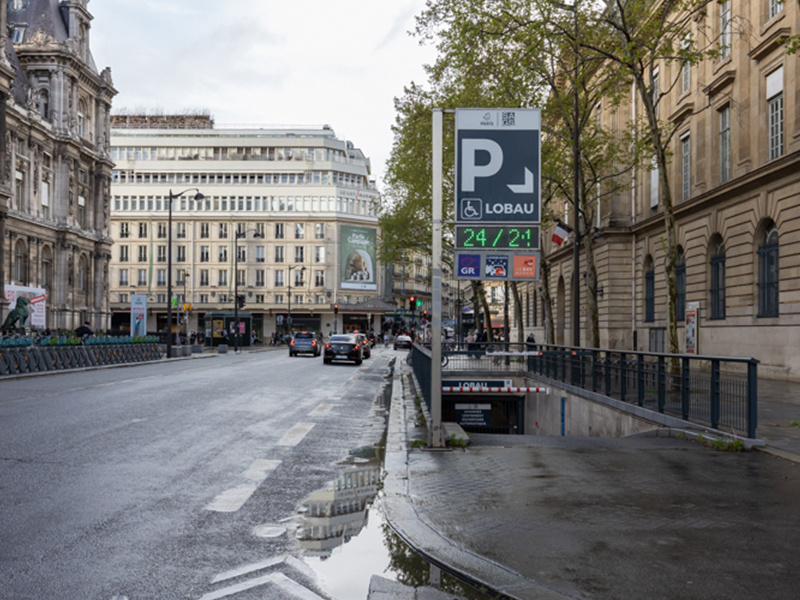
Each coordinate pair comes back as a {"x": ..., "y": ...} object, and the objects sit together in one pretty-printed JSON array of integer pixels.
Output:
[{"x": 560, "y": 233}]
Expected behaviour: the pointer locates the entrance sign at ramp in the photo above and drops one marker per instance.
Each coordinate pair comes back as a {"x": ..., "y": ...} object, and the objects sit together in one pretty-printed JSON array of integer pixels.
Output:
[{"x": 498, "y": 165}]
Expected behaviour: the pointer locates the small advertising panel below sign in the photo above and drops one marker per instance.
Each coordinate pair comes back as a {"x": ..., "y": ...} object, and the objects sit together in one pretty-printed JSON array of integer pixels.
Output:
[
  {"x": 497, "y": 266},
  {"x": 474, "y": 415}
]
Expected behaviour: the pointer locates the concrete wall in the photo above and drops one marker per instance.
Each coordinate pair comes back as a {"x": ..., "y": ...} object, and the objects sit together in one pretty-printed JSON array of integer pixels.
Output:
[{"x": 582, "y": 417}]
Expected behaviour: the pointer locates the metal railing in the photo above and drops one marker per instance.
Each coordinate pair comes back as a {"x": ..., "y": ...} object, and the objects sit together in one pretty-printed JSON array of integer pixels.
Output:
[
  {"x": 38, "y": 359},
  {"x": 716, "y": 391}
]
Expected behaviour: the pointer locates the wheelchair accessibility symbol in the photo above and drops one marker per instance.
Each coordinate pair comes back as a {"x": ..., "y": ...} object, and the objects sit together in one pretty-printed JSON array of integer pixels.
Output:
[{"x": 471, "y": 209}]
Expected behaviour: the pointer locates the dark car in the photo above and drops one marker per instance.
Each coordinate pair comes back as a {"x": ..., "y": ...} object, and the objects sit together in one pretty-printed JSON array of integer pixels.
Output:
[
  {"x": 343, "y": 347},
  {"x": 305, "y": 342},
  {"x": 365, "y": 345}
]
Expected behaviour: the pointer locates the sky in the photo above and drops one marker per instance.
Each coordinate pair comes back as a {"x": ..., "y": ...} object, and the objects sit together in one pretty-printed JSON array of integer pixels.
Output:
[{"x": 265, "y": 62}]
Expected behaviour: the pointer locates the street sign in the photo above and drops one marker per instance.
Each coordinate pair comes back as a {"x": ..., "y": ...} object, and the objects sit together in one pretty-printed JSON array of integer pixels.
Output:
[{"x": 498, "y": 165}]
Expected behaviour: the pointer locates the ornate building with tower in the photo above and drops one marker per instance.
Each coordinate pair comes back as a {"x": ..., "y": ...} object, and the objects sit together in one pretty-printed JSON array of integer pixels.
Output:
[{"x": 55, "y": 178}]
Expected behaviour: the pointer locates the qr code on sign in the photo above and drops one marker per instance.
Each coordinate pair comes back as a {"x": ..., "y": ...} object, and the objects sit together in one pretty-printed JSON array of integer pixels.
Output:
[{"x": 508, "y": 119}]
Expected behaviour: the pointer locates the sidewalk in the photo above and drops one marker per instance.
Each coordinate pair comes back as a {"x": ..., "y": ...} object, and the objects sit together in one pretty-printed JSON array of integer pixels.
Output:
[{"x": 545, "y": 518}]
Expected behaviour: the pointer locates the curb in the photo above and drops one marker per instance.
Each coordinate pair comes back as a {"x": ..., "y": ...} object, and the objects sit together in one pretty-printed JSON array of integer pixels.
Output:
[{"x": 421, "y": 535}]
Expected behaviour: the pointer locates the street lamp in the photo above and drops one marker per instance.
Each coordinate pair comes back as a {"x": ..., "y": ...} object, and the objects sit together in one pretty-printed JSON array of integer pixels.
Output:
[
  {"x": 239, "y": 234},
  {"x": 289, "y": 314},
  {"x": 198, "y": 196}
]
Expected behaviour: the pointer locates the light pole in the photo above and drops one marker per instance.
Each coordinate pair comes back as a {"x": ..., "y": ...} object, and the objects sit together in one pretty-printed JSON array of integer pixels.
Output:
[
  {"x": 289, "y": 313},
  {"x": 236, "y": 301},
  {"x": 198, "y": 196},
  {"x": 576, "y": 256}
]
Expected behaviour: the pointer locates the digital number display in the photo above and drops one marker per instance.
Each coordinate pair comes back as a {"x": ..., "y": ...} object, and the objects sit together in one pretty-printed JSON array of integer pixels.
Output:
[{"x": 497, "y": 237}]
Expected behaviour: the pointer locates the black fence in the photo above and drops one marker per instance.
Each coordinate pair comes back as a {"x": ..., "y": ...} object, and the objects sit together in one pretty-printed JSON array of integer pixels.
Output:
[
  {"x": 716, "y": 391},
  {"x": 35, "y": 359}
]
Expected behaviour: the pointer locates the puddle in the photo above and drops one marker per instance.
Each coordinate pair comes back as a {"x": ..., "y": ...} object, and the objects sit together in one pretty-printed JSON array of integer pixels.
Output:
[{"x": 344, "y": 538}]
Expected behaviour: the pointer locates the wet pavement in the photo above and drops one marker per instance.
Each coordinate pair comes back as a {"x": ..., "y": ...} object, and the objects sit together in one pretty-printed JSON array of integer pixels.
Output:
[{"x": 597, "y": 518}]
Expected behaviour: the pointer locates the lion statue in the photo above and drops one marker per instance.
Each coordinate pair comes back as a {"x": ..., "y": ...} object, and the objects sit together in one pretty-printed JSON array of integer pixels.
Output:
[{"x": 19, "y": 313}]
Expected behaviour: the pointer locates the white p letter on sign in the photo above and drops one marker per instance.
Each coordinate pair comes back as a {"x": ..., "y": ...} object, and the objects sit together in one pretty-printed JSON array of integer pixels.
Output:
[{"x": 470, "y": 170}]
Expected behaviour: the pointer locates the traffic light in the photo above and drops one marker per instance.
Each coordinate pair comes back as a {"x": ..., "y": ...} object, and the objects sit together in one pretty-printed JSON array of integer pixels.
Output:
[
  {"x": 411, "y": 304},
  {"x": 419, "y": 303},
  {"x": 424, "y": 314},
  {"x": 240, "y": 300},
  {"x": 336, "y": 309}
]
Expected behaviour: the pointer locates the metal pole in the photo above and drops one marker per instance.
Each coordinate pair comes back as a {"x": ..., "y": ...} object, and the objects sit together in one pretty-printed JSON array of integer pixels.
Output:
[
  {"x": 236, "y": 294},
  {"x": 169, "y": 279},
  {"x": 435, "y": 432},
  {"x": 289, "y": 314},
  {"x": 576, "y": 257}
]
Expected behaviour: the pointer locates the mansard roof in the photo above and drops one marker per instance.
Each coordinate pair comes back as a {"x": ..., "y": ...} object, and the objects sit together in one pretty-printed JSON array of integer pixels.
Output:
[
  {"x": 19, "y": 87},
  {"x": 46, "y": 16}
]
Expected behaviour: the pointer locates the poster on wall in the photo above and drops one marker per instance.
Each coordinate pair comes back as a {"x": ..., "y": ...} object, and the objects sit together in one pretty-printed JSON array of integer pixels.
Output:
[
  {"x": 37, "y": 307},
  {"x": 358, "y": 258},
  {"x": 138, "y": 315},
  {"x": 691, "y": 327}
]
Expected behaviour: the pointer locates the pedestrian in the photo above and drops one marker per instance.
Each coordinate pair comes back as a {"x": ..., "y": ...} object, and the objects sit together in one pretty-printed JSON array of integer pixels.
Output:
[
  {"x": 84, "y": 331},
  {"x": 530, "y": 343}
]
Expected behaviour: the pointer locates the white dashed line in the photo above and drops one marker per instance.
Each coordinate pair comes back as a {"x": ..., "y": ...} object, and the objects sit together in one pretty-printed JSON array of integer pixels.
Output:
[
  {"x": 322, "y": 410},
  {"x": 233, "y": 499},
  {"x": 296, "y": 434}
]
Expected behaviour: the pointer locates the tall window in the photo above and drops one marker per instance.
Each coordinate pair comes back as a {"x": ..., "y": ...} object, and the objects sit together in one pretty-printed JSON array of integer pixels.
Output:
[
  {"x": 319, "y": 254},
  {"x": 725, "y": 28},
  {"x": 656, "y": 90},
  {"x": 260, "y": 278},
  {"x": 654, "y": 189},
  {"x": 223, "y": 231},
  {"x": 142, "y": 253},
  {"x": 161, "y": 254},
  {"x": 319, "y": 278},
  {"x": 279, "y": 231},
  {"x": 279, "y": 279},
  {"x": 724, "y": 144},
  {"x": 718, "y": 281},
  {"x": 768, "y": 273},
  {"x": 141, "y": 277},
  {"x": 260, "y": 254},
  {"x": 204, "y": 254},
  {"x": 319, "y": 231},
  {"x": 123, "y": 254},
  {"x": 775, "y": 6},
  {"x": 686, "y": 77},
  {"x": 204, "y": 277},
  {"x": 775, "y": 109},
  {"x": 180, "y": 230},
  {"x": 142, "y": 230},
  {"x": 161, "y": 277},
  {"x": 686, "y": 167},
  {"x": 181, "y": 254},
  {"x": 204, "y": 230},
  {"x": 123, "y": 276},
  {"x": 299, "y": 231},
  {"x": 299, "y": 254},
  {"x": 649, "y": 291},
  {"x": 20, "y": 262},
  {"x": 124, "y": 230},
  {"x": 299, "y": 277},
  {"x": 680, "y": 277},
  {"x": 162, "y": 231},
  {"x": 46, "y": 275},
  {"x": 223, "y": 254},
  {"x": 278, "y": 254},
  {"x": 222, "y": 278}
]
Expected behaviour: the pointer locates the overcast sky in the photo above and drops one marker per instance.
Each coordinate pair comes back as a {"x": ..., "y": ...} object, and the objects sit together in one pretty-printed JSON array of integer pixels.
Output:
[{"x": 265, "y": 62}]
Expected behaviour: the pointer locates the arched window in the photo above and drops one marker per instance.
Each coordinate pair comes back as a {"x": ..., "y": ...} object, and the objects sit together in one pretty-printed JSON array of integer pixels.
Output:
[
  {"x": 680, "y": 277},
  {"x": 82, "y": 118},
  {"x": 46, "y": 275},
  {"x": 717, "y": 280},
  {"x": 20, "y": 262},
  {"x": 649, "y": 290},
  {"x": 768, "y": 273},
  {"x": 44, "y": 103}
]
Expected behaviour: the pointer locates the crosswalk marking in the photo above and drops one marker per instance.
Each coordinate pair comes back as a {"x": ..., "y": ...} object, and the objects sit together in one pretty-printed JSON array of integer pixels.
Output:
[
  {"x": 294, "y": 588},
  {"x": 284, "y": 582},
  {"x": 234, "y": 498},
  {"x": 296, "y": 434},
  {"x": 247, "y": 569}
]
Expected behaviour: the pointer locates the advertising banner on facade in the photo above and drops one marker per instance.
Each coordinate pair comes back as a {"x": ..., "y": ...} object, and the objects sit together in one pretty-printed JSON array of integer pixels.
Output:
[
  {"x": 138, "y": 315},
  {"x": 358, "y": 257},
  {"x": 37, "y": 317}
]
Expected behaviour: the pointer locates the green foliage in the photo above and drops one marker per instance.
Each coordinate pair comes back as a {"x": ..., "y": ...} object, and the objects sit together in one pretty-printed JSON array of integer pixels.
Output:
[
  {"x": 419, "y": 444},
  {"x": 457, "y": 442},
  {"x": 794, "y": 423}
]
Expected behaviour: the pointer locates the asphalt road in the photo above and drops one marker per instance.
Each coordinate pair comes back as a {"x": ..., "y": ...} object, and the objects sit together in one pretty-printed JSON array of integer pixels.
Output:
[{"x": 174, "y": 480}]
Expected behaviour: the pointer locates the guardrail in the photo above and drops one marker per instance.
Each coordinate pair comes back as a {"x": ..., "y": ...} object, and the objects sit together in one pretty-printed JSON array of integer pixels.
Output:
[
  {"x": 716, "y": 391},
  {"x": 20, "y": 357}
]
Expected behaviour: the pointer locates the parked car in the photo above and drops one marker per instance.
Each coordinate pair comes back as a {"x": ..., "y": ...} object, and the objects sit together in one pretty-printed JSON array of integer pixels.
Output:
[
  {"x": 365, "y": 344},
  {"x": 402, "y": 341},
  {"x": 343, "y": 347},
  {"x": 305, "y": 342}
]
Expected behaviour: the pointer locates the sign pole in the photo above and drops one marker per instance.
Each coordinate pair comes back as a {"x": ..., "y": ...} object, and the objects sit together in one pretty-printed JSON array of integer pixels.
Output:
[{"x": 435, "y": 431}]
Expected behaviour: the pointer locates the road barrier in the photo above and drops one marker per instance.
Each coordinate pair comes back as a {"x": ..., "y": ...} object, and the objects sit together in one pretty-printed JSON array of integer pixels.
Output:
[{"x": 19, "y": 358}]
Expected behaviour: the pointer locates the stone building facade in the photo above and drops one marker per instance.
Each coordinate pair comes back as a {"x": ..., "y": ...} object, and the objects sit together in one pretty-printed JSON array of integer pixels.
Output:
[
  {"x": 736, "y": 192},
  {"x": 56, "y": 168},
  {"x": 287, "y": 220}
]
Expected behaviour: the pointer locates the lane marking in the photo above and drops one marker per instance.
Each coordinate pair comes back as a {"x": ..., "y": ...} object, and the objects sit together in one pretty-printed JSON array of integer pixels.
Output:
[
  {"x": 239, "y": 587},
  {"x": 296, "y": 434},
  {"x": 294, "y": 588},
  {"x": 234, "y": 498},
  {"x": 247, "y": 569},
  {"x": 322, "y": 410}
]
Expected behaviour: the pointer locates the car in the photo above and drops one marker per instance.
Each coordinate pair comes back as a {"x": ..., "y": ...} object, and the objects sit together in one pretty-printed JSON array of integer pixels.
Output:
[
  {"x": 372, "y": 340},
  {"x": 365, "y": 344},
  {"x": 402, "y": 341},
  {"x": 343, "y": 347},
  {"x": 305, "y": 342}
]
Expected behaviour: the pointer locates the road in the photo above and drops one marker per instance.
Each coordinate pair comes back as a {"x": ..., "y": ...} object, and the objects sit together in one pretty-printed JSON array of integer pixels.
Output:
[{"x": 179, "y": 479}]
